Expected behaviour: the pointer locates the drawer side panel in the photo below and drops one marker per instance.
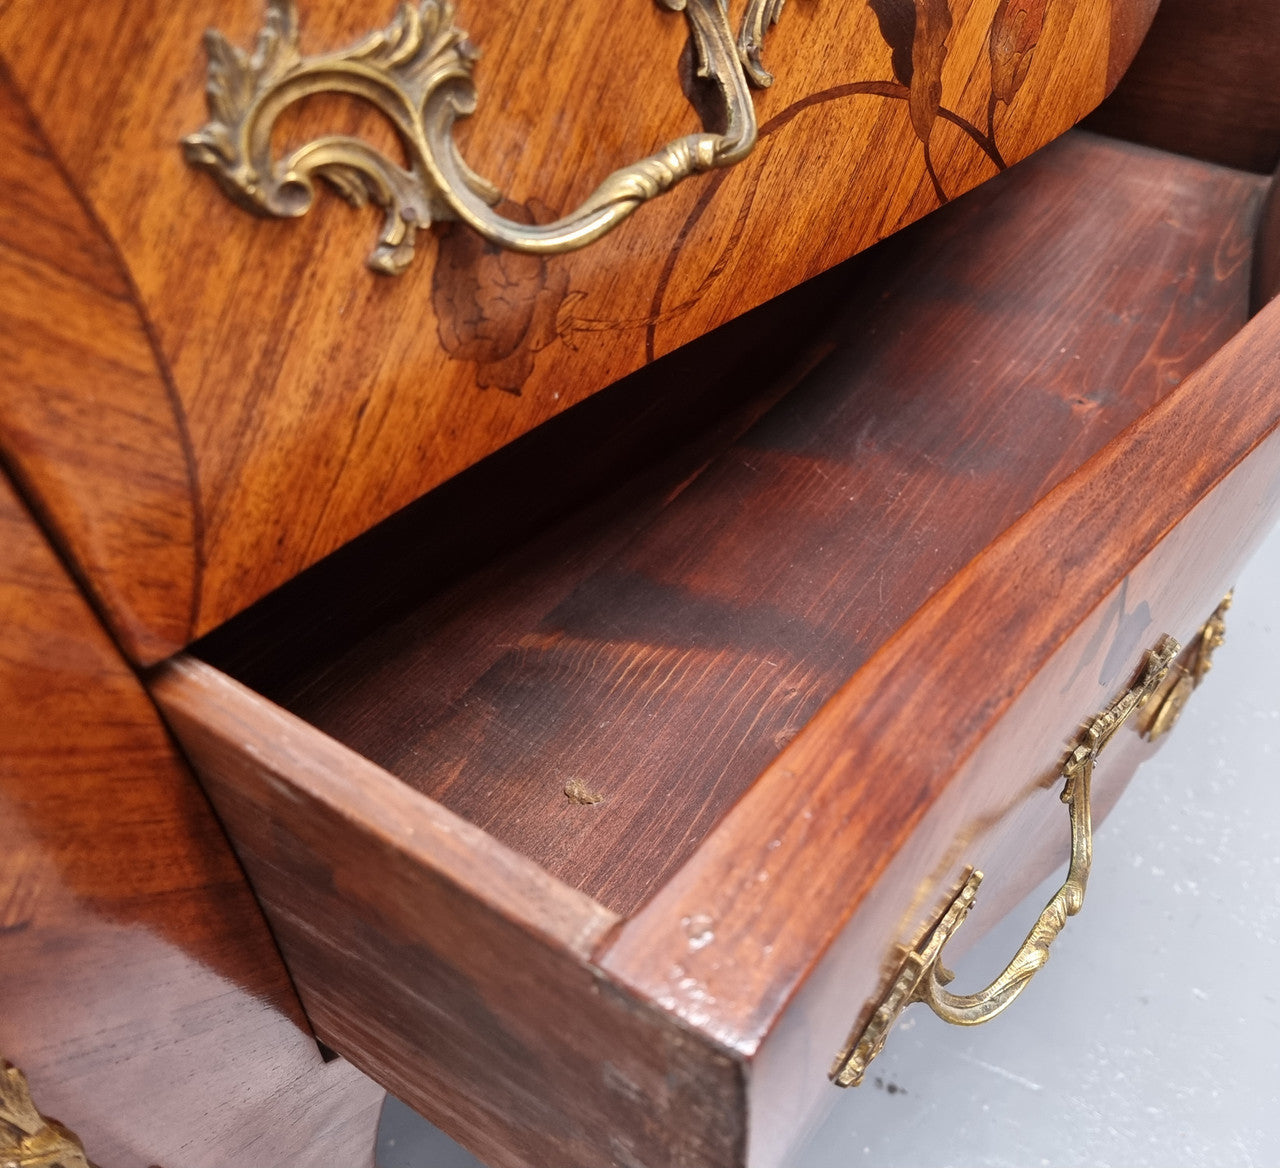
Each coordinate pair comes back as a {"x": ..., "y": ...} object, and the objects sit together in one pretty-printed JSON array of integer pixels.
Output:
[{"x": 453, "y": 971}]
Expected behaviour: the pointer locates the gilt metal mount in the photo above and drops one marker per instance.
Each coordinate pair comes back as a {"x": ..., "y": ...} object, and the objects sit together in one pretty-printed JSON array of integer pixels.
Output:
[
  {"x": 921, "y": 976},
  {"x": 1166, "y": 706},
  {"x": 418, "y": 72},
  {"x": 27, "y": 1138}
]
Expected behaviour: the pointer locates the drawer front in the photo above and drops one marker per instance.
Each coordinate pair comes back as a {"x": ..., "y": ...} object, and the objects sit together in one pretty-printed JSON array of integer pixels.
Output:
[
  {"x": 544, "y": 1024},
  {"x": 281, "y": 397},
  {"x": 1003, "y": 816},
  {"x": 944, "y": 752},
  {"x": 514, "y": 1012}
]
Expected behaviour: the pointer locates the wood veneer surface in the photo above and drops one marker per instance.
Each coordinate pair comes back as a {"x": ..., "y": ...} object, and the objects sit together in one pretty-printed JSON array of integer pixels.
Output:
[
  {"x": 139, "y": 987},
  {"x": 662, "y": 649},
  {"x": 80, "y": 423},
  {"x": 293, "y": 398},
  {"x": 974, "y": 736}
]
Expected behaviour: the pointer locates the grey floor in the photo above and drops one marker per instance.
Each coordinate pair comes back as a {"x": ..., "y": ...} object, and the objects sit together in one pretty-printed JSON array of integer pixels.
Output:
[{"x": 1153, "y": 1036}]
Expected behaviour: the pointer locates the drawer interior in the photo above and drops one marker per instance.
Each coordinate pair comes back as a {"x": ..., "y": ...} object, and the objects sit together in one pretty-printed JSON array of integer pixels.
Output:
[{"x": 594, "y": 670}]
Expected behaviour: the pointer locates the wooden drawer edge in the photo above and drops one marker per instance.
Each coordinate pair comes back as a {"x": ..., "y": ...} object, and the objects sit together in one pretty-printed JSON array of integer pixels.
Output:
[
  {"x": 229, "y": 731},
  {"x": 1041, "y": 578},
  {"x": 450, "y": 969},
  {"x": 1000, "y": 813}
]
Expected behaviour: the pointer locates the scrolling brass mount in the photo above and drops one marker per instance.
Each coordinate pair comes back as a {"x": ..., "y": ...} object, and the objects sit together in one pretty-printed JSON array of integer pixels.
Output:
[
  {"x": 1166, "y": 705},
  {"x": 27, "y": 1138},
  {"x": 921, "y": 976},
  {"x": 418, "y": 72}
]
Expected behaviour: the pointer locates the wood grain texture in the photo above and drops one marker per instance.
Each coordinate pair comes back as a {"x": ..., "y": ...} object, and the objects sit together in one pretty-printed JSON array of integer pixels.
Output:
[
  {"x": 139, "y": 987},
  {"x": 1266, "y": 251},
  {"x": 1126, "y": 513},
  {"x": 319, "y": 398},
  {"x": 1204, "y": 84},
  {"x": 87, "y": 423},
  {"x": 1130, "y": 24},
  {"x": 1001, "y": 812},
  {"x": 664, "y": 421},
  {"x": 660, "y": 648},
  {"x": 453, "y": 970},
  {"x": 996, "y": 623}
]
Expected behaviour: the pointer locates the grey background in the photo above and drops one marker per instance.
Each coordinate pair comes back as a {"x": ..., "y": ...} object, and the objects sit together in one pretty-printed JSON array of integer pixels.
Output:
[{"x": 1153, "y": 1036}]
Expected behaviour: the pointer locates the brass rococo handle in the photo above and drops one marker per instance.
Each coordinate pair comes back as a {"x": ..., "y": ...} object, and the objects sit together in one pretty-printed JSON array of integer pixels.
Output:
[
  {"x": 418, "y": 72},
  {"x": 923, "y": 978}
]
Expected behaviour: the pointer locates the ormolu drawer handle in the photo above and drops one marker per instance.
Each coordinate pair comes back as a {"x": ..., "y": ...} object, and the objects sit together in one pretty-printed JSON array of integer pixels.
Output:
[
  {"x": 417, "y": 71},
  {"x": 923, "y": 978}
]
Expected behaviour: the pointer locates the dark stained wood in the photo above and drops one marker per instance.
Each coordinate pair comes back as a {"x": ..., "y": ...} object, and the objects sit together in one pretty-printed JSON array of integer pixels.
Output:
[
  {"x": 675, "y": 414},
  {"x": 1000, "y": 811},
  {"x": 453, "y": 970},
  {"x": 661, "y": 648},
  {"x": 882, "y": 752},
  {"x": 1129, "y": 26},
  {"x": 316, "y": 398},
  {"x": 1204, "y": 84},
  {"x": 422, "y": 945},
  {"x": 139, "y": 987},
  {"x": 1266, "y": 251}
]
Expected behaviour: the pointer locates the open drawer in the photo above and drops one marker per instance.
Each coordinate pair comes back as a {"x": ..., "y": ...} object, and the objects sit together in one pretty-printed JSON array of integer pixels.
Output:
[{"x": 597, "y": 851}]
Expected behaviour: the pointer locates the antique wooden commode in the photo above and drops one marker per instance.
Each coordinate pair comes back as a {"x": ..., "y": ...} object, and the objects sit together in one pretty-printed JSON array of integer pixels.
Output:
[{"x": 626, "y": 636}]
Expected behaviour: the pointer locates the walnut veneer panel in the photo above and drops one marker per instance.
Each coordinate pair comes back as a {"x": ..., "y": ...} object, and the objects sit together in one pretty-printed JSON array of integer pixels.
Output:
[
  {"x": 86, "y": 417},
  {"x": 663, "y": 647},
  {"x": 305, "y": 398},
  {"x": 139, "y": 987}
]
